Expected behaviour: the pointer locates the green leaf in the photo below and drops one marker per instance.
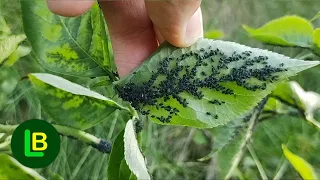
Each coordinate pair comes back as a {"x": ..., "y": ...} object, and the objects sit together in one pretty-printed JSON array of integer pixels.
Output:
[
  {"x": 71, "y": 104},
  {"x": 116, "y": 157},
  {"x": 12, "y": 169},
  {"x": 284, "y": 31},
  {"x": 132, "y": 153},
  {"x": 4, "y": 29},
  {"x": 8, "y": 82},
  {"x": 303, "y": 167},
  {"x": 214, "y": 34},
  {"x": 8, "y": 45},
  {"x": 283, "y": 92},
  {"x": 316, "y": 41},
  {"x": 20, "y": 52},
  {"x": 224, "y": 135},
  {"x": 74, "y": 46},
  {"x": 204, "y": 98}
]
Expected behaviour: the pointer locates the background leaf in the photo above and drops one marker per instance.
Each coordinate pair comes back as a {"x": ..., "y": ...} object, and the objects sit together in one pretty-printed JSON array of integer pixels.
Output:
[
  {"x": 8, "y": 82},
  {"x": 316, "y": 41},
  {"x": 303, "y": 167},
  {"x": 214, "y": 34},
  {"x": 116, "y": 157},
  {"x": 21, "y": 51},
  {"x": 230, "y": 155},
  {"x": 208, "y": 88},
  {"x": 75, "y": 46},
  {"x": 132, "y": 153},
  {"x": 71, "y": 104},
  {"x": 4, "y": 29},
  {"x": 284, "y": 31},
  {"x": 8, "y": 45},
  {"x": 12, "y": 169}
]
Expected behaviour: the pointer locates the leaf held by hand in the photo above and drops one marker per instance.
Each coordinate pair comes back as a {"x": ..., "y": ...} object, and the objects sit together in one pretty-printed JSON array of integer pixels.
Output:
[{"x": 207, "y": 84}]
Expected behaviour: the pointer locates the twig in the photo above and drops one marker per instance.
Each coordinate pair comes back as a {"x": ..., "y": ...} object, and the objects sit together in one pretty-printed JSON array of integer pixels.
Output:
[
  {"x": 281, "y": 171},
  {"x": 257, "y": 161}
]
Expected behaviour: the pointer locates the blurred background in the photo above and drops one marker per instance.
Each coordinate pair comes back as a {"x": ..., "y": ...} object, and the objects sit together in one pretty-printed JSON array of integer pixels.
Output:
[{"x": 174, "y": 152}]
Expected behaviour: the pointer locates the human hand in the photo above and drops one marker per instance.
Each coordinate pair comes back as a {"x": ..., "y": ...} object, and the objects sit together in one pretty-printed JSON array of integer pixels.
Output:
[{"x": 136, "y": 27}]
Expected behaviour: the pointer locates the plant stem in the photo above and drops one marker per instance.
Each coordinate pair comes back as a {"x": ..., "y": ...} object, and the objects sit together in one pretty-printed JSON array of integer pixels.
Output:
[
  {"x": 90, "y": 139},
  {"x": 281, "y": 171},
  {"x": 252, "y": 122},
  {"x": 256, "y": 160}
]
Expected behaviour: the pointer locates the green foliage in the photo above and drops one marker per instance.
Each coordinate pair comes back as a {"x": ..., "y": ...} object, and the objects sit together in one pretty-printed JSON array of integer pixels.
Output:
[
  {"x": 284, "y": 31},
  {"x": 8, "y": 82},
  {"x": 303, "y": 167},
  {"x": 12, "y": 169},
  {"x": 214, "y": 34},
  {"x": 230, "y": 155},
  {"x": 4, "y": 29},
  {"x": 235, "y": 79},
  {"x": 20, "y": 52},
  {"x": 73, "y": 46},
  {"x": 132, "y": 153},
  {"x": 8, "y": 45},
  {"x": 268, "y": 136},
  {"x": 116, "y": 157},
  {"x": 71, "y": 104}
]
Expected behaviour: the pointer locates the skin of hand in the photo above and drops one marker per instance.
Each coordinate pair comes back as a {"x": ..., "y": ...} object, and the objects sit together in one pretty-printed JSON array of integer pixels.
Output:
[{"x": 136, "y": 27}]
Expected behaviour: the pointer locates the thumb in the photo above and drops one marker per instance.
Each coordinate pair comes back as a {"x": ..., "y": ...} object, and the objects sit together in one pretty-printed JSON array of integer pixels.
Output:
[{"x": 178, "y": 21}]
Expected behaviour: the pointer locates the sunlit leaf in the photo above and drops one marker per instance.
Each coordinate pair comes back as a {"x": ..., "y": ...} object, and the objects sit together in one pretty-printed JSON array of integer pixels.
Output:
[
  {"x": 21, "y": 51},
  {"x": 214, "y": 34},
  {"x": 8, "y": 45},
  {"x": 316, "y": 41},
  {"x": 284, "y": 31},
  {"x": 132, "y": 153},
  {"x": 12, "y": 169},
  {"x": 75, "y": 46},
  {"x": 303, "y": 167},
  {"x": 71, "y": 104},
  {"x": 205, "y": 85},
  {"x": 4, "y": 28}
]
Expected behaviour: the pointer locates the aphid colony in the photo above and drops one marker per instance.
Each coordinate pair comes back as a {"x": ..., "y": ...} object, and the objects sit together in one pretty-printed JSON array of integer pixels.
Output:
[{"x": 193, "y": 71}]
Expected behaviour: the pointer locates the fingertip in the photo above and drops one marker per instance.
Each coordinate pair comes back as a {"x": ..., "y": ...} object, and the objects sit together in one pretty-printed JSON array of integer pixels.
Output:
[{"x": 69, "y": 8}]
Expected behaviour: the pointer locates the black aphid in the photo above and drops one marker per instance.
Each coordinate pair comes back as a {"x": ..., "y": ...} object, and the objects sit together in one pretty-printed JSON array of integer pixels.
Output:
[{"x": 183, "y": 79}]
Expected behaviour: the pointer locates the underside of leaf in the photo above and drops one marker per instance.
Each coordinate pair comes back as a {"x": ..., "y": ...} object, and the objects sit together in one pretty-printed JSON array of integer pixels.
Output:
[{"x": 207, "y": 84}]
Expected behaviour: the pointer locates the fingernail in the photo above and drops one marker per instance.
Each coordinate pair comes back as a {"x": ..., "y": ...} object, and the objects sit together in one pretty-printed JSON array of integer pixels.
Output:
[{"x": 194, "y": 29}]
